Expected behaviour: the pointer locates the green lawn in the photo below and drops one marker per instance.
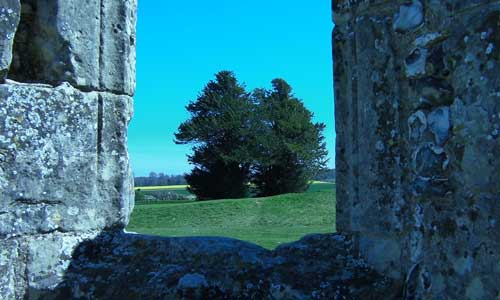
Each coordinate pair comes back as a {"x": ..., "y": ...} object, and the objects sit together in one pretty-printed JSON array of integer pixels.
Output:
[{"x": 268, "y": 221}]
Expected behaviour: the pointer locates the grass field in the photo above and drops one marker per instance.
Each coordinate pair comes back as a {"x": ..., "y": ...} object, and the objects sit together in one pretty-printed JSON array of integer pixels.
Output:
[{"x": 268, "y": 221}]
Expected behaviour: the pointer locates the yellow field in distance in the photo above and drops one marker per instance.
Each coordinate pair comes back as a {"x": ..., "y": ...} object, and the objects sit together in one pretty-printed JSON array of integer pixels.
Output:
[
  {"x": 177, "y": 187},
  {"x": 165, "y": 187}
]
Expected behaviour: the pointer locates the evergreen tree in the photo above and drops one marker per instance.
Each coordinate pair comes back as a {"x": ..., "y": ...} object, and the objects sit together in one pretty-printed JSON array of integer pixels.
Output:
[
  {"x": 292, "y": 148},
  {"x": 267, "y": 138},
  {"x": 220, "y": 129},
  {"x": 215, "y": 178}
]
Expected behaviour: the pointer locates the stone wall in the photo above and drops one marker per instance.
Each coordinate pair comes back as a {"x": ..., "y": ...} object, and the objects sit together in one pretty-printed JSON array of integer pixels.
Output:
[
  {"x": 418, "y": 139},
  {"x": 67, "y": 73},
  {"x": 418, "y": 126}
]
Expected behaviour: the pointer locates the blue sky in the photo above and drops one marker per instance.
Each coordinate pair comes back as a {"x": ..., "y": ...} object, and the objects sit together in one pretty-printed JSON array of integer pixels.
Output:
[{"x": 182, "y": 44}]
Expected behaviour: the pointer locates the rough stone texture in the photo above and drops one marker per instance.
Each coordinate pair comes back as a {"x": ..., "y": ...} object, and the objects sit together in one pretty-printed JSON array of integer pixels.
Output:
[
  {"x": 12, "y": 266},
  {"x": 91, "y": 46},
  {"x": 29, "y": 264},
  {"x": 10, "y": 11},
  {"x": 417, "y": 119},
  {"x": 117, "y": 62},
  {"x": 64, "y": 160},
  {"x": 64, "y": 169},
  {"x": 48, "y": 258},
  {"x": 418, "y": 129},
  {"x": 217, "y": 268},
  {"x": 409, "y": 16}
]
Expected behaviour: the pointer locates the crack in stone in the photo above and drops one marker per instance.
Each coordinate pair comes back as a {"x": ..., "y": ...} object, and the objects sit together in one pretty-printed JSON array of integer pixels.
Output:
[
  {"x": 31, "y": 201},
  {"x": 101, "y": 42},
  {"x": 100, "y": 121}
]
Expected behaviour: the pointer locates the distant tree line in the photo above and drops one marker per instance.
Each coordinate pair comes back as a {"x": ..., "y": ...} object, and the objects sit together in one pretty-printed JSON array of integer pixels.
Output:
[
  {"x": 159, "y": 179},
  {"x": 250, "y": 143},
  {"x": 326, "y": 175}
]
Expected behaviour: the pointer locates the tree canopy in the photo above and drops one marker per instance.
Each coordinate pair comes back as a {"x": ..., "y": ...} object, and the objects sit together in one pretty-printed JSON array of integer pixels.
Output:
[
  {"x": 266, "y": 138},
  {"x": 292, "y": 147},
  {"x": 220, "y": 130}
]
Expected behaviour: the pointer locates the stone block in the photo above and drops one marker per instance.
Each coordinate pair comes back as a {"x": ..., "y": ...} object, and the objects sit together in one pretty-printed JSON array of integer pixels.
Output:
[
  {"x": 115, "y": 176},
  {"x": 10, "y": 11},
  {"x": 58, "y": 41},
  {"x": 64, "y": 160},
  {"x": 117, "y": 63},
  {"x": 91, "y": 46},
  {"x": 12, "y": 269},
  {"x": 417, "y": 120},
  {"x": 48, "y": 259}
]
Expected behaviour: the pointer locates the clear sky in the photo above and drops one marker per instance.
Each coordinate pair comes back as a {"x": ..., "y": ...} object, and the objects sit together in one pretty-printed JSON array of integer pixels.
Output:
[{"x": 182, "y": 44}]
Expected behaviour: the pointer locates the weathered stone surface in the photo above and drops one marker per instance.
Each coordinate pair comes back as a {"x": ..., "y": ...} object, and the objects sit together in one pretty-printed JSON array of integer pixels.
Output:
[
  {"x": 10, "y": 11},
  {"x": 115, "y": 180},
  {"x": 317, "y": 267},
  {"x": 64, "y": 160},
  {"x": 409, "y": 16},
  {"x": 58, "y": 41},
  {"x": 416, "y": 118},
  {"x": 192, "y": 281},
  {"x": 117, "y": 62},
  {"x": 48, "y": 258},
  {"x": 418, "y": 126},
  {"x": 64, "y": 169},
  {"x": 12, "y": 266},
  {"x": 439, "y": 124},
  {"x": 416, "y": 62},
  {"x": 91, "y": 46}
]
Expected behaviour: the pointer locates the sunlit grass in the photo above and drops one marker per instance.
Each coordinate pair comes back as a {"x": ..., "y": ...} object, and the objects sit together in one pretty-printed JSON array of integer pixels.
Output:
[{"x": 268, "y": 221}]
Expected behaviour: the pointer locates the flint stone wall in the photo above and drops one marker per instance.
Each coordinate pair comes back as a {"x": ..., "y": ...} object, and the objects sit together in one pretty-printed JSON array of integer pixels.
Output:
[
  {"x": 120, "y": 266},
  {"x": 66, "y": 192},
  {"x": 417, "y": 95}
]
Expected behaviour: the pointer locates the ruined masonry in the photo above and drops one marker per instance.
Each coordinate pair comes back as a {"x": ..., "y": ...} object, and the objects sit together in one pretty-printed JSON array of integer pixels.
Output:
[
  {"x": 67, "y": 73},
  {"x": 417, "y": 103},
  {"x": 418, "y": 191}
]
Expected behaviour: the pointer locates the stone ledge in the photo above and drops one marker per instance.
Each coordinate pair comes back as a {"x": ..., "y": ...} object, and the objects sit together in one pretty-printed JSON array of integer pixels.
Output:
[{"x": 323, "y": 266}]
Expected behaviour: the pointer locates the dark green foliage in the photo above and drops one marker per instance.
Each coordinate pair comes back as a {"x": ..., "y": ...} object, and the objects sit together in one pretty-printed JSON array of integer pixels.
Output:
[
  {"x": 292, "y": 147},
  {"x": 280, "y": 178},
  {"x": 266, "y": 138},
  {"x": 218, "y": 181},
  {"x": 222, "y": 131}
]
